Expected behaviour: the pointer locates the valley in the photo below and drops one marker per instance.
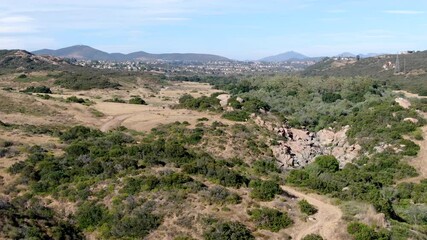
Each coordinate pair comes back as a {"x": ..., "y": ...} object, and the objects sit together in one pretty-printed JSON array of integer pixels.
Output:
[{"x": 101, "y": 154}]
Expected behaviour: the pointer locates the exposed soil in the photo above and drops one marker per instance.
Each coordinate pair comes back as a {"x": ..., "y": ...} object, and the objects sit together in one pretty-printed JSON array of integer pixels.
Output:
[{"x": 326, "y": 222}]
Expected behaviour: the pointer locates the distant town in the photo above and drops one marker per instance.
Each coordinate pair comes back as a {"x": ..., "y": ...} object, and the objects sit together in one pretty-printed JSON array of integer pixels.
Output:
[{"x": 211, "y": 67}]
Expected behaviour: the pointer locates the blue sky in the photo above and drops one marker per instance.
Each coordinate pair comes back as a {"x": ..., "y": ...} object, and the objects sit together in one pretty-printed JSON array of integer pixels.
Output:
[{"x": 239, "y": 29}]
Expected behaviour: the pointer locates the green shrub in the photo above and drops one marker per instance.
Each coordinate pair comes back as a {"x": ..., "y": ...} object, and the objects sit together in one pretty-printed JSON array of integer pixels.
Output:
[
  {"x": 254, "y": 105},
  {"x": 25, "y": 217},
  {"x": 79, "y": 132},
  {"x": 202, "y": 103},
  {"x": 137, "y": 100},
  {"x": 39, "y": 89},
  {"x": 306, "y": 207},
  {"x": 331, "y": 97},
  {"x": 115, "y": 100},
  {"x": 91, "y": 214},
  {"x": 216, "y": 171},
  {"x": 270, "y": 219},
  {"x": 221, "y": 195},
  {"x": 75, "y": 99},
  {"x": 361, "y": 231},
  {"x": 410, "y": 149},
  {"x": 265, "y": 167},
  {"x": 136, "y": 225},
  {"x": 264, "y": 190},
  {"x": 203, "y": 119},
  {"x": 228, "y": 231},
  {"x": 312, "y": 237},
  {"x": 298, "y": 177},
  {"x": 238, "y": 116},
  {"x": 327, "y": 163},
  {"x": 84, "y": 80},
  {"x": 44, "y": 96}
]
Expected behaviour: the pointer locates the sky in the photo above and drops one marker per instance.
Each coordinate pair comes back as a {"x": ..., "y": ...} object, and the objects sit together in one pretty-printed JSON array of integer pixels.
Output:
[{"x": 238, "y": 29}]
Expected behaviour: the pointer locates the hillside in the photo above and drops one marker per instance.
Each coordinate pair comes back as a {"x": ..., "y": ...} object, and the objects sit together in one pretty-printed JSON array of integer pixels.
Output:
[
  {"x": 20, "y": 60},
  {"x": 82, "y": 52},
  {"x": 412, "y": 75}
]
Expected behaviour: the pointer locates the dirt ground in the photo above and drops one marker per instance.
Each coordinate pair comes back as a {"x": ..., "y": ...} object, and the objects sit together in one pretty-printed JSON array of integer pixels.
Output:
[
  {"x": 136, "y": 117},
  {"x": 326, "y": 222}
]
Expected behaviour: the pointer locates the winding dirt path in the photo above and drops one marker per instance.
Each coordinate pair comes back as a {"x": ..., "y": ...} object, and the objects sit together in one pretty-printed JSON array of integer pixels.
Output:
[
  {"x": 115, "y": 122},
  {"x": 420, "y": 161},
  {"x": 326, "y": 222}
]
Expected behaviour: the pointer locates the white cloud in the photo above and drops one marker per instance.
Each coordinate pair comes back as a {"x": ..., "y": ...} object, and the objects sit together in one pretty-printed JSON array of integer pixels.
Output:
[
  {"x": 404, "y": 12},
  {"x": 15, "y": 19},
  {"x": 17, "y": 29},
  {"x": 28, "y": 43},
  {"x": 17, "y": 24}
]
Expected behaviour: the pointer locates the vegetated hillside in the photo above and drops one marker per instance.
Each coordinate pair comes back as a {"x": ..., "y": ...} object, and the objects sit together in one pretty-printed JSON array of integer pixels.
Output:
[
  {"x": 20, "y": 60},
  {"x": 375, "y": 121},
  {"x": 412, "y": 75},
  {"x": 82, "y": 52},
  {"x": 77, "y": 52},
  {"x": 29, "y": 66}
]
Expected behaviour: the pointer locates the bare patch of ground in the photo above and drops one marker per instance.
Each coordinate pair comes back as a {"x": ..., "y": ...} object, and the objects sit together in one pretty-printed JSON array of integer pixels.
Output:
[
  {"x": 146, "y": 117},
  {"x": 403, "y": 102},
  {"x": 326, "y": 222}
]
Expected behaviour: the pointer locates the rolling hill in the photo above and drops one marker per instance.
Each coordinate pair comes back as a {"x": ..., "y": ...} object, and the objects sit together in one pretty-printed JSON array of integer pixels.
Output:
[
  {"x": 412, "y": 74},
  {"x": 82, "y": 52}
]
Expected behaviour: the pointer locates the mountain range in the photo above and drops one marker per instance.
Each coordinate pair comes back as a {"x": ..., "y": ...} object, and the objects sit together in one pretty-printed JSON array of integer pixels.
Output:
[
  {"x": 289, "y": 56},
  {"x": 82, "y": 52}
]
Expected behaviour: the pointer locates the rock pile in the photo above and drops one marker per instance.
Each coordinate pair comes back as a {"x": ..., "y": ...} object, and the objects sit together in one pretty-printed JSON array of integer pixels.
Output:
[{"x": 301, "y": 147}]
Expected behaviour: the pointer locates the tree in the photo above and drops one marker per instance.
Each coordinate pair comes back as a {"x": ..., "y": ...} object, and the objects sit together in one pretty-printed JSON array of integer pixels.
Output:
[{"x": 327, "y": 163}]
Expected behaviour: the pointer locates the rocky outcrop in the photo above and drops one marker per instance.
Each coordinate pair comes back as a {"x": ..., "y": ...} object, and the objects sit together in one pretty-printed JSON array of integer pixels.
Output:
[
  {"x": 412, "y": 120},
  {"x": 403, "y": 102},
  {"x": 301, "y": 147},
  {"x": 223, "y": 99}
]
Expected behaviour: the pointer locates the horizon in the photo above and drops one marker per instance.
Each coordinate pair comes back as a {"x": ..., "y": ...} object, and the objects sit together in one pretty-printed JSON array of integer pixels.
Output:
[
  {"x": 290, "y": 51},
  {"x": 240, "y": 30}
]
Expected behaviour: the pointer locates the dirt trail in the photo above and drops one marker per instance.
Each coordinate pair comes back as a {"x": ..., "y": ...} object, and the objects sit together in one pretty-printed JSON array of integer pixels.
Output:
[
  {"x": 420, "y": 161},
  {"x": 115, "y": 122},
  {"x": 327, "y": 221}
]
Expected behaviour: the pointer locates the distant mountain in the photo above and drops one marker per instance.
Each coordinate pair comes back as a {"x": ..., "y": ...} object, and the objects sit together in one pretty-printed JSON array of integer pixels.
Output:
[
  {"x": 346, "y": 54},
  {"x": 368, "y": 55},
  {"x": 82, "y": 52},
  {"x": 285, "y": 57}
]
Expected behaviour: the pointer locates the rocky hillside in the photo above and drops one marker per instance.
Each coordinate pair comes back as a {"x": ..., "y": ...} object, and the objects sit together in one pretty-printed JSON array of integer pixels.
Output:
[
  {"x": 301, "y": 147},
  {"x": 21, "y": 60}
]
